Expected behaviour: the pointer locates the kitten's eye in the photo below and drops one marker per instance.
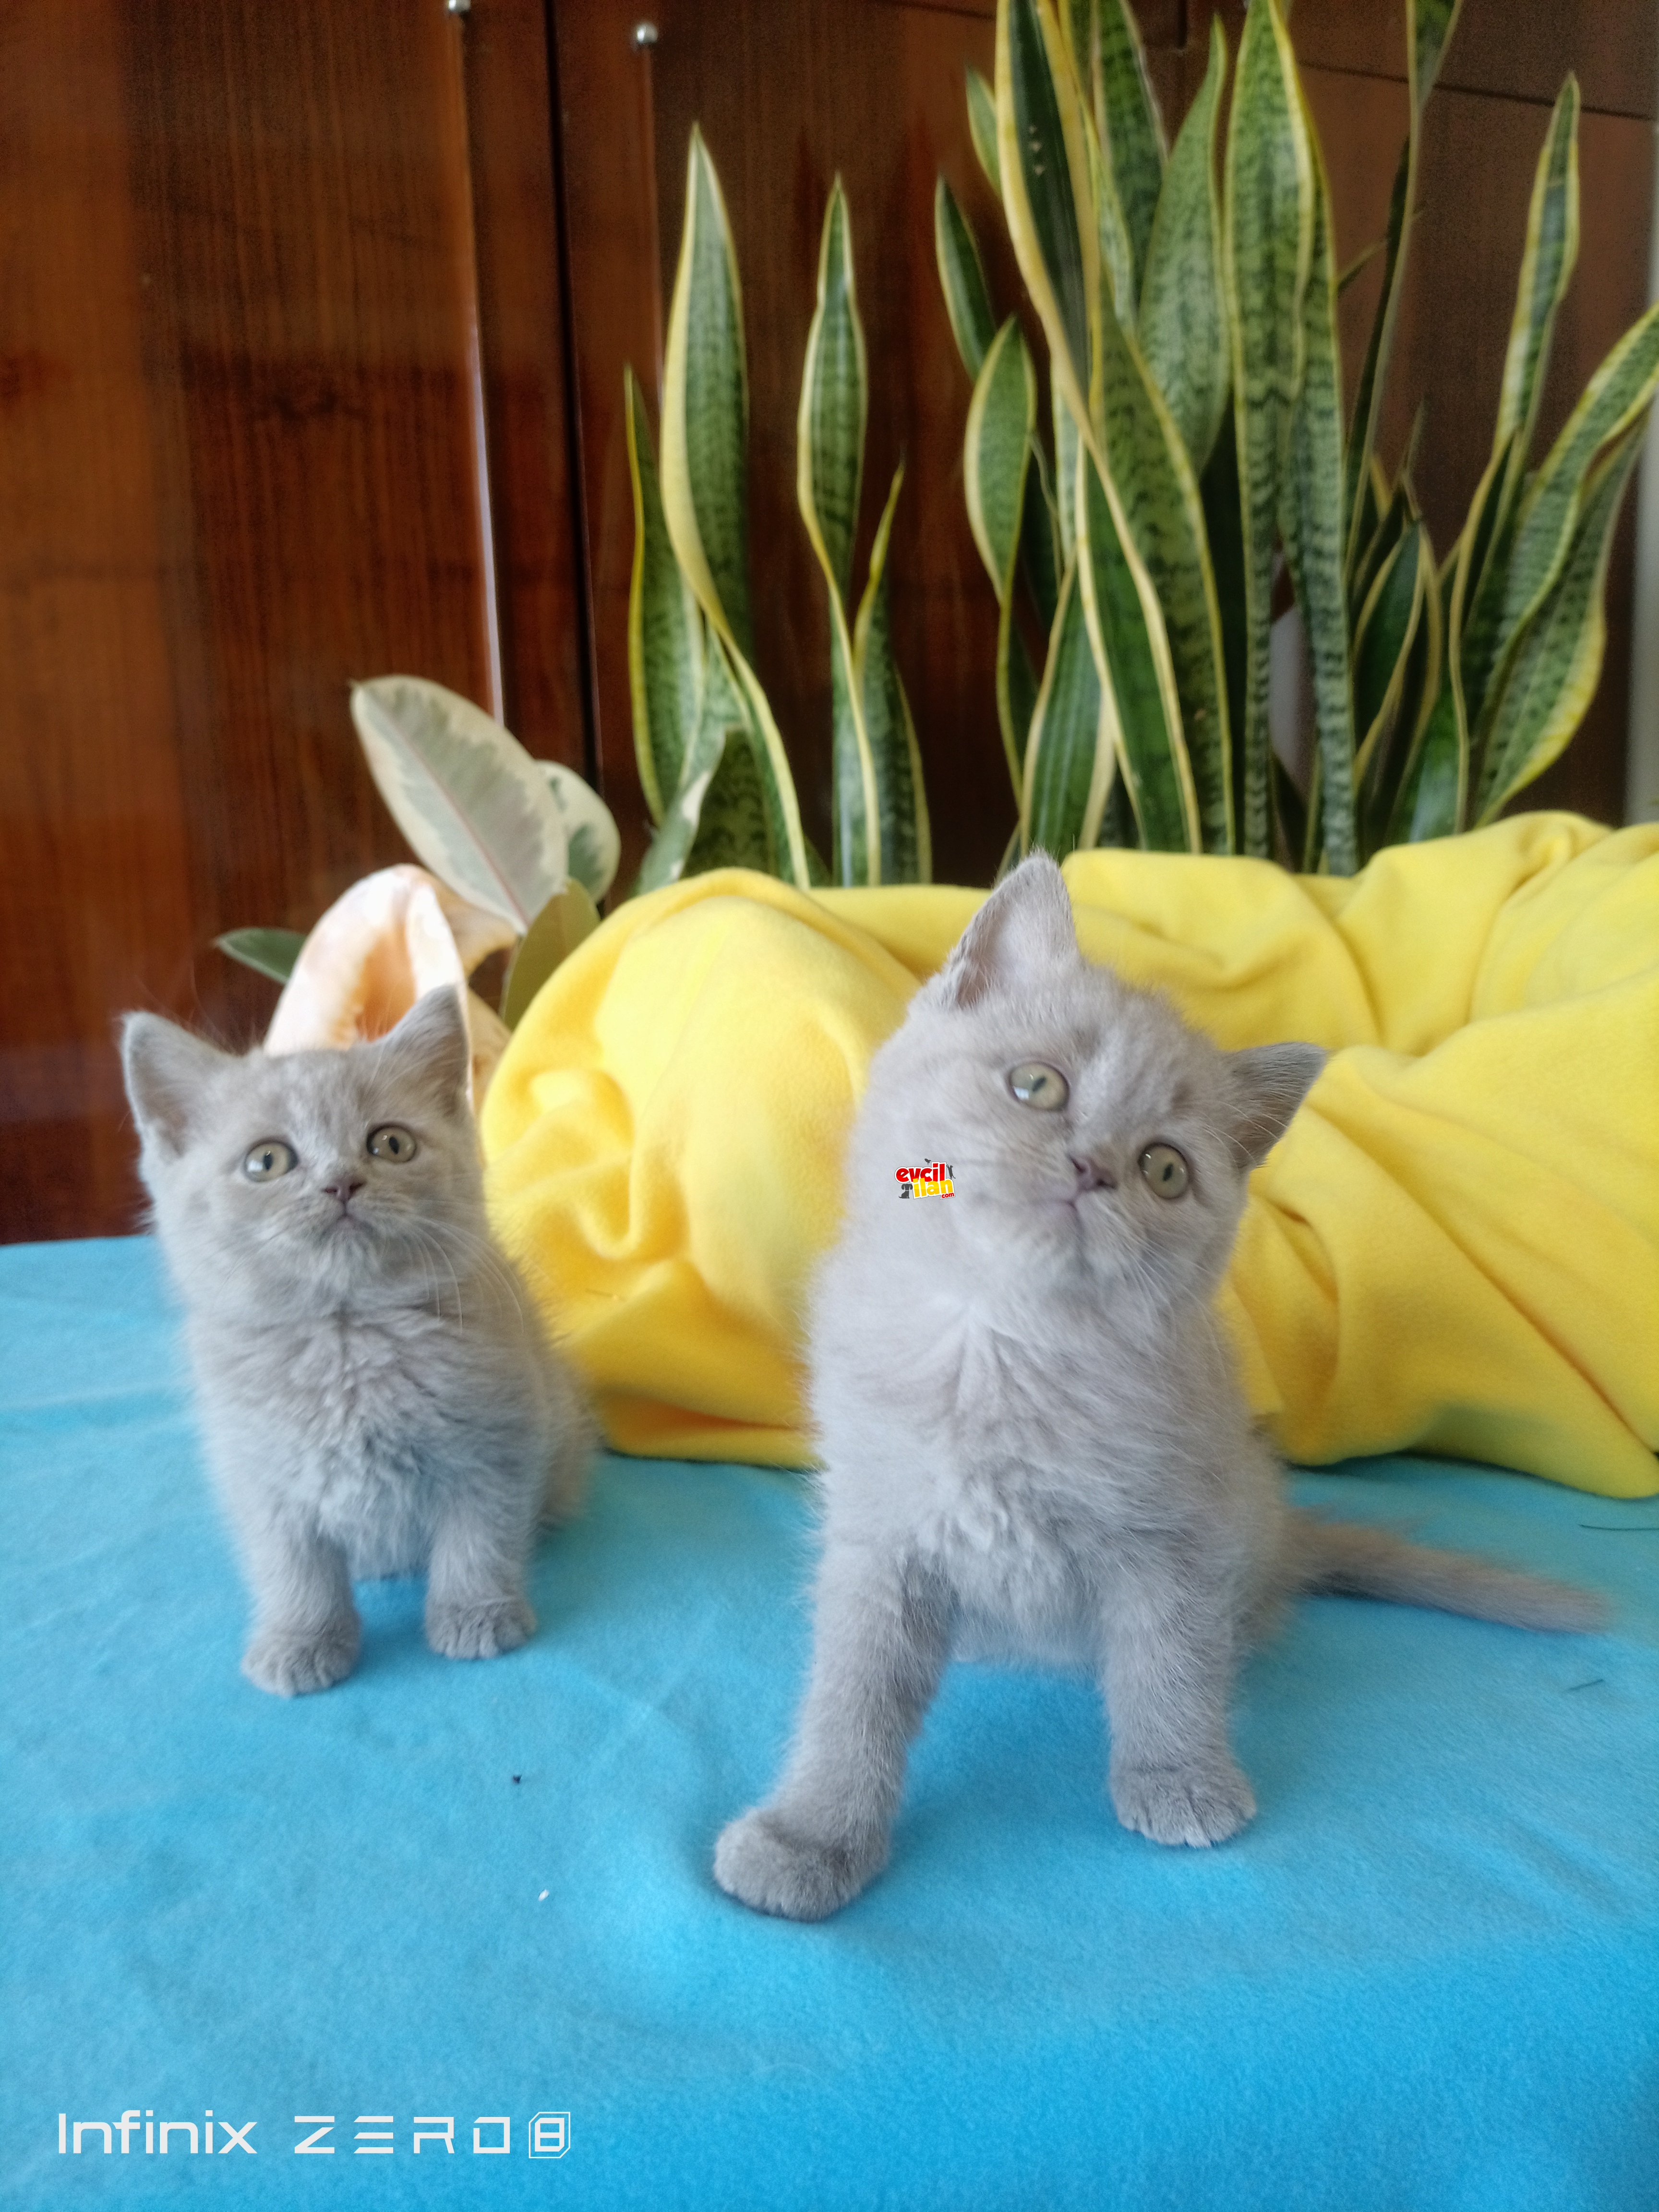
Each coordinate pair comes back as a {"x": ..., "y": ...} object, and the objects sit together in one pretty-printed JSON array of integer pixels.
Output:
[
  {"x": 1034, "y": 1083},
  {"x": 1165, "y": 1170},
  {"x": 268, "y": 1161},
  {"x": 391, "y": 1143}
]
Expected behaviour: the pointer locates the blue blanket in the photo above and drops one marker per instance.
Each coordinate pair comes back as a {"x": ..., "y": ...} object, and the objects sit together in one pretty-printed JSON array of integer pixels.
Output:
[{"x": 472, "y": 1904}]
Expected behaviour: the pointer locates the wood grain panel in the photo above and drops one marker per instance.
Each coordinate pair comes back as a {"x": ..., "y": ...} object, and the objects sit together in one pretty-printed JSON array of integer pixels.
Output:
[
  {"x": 1511, "y": 49},
  {"x": 253, "y": 469}
]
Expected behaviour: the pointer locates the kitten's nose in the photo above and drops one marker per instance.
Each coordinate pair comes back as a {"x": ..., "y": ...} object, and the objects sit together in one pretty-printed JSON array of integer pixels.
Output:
[
  {"x": 1092, "y": 1178},
  {"x": 345, "y": 1189}
]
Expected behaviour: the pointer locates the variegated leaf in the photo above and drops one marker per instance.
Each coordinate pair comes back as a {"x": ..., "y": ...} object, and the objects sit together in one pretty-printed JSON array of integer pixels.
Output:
[
  {"x": 961, "y": 280},
  {"x": 907, "y": 842},
  {"x": 665, "y": 630},
  {"x": 1182, "y": 325},
  {"x": 1071, "y": 758}
]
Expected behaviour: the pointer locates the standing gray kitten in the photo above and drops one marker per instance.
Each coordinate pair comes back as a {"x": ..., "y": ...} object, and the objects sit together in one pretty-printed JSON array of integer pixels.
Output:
[
  {"x": 1034, "y": 1441},
  {"x": 376, "y": 1392}
]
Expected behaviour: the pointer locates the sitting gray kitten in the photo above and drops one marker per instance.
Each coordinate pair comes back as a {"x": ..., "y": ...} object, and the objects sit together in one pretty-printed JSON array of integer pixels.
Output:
[
  {"x": 1034, "y": 1441},
  {"x": 376, "y": 1392}
]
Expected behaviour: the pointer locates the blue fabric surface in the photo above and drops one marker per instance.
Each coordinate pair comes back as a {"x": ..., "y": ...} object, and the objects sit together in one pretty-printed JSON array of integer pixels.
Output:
[{"x": 1427, "y": 1977}]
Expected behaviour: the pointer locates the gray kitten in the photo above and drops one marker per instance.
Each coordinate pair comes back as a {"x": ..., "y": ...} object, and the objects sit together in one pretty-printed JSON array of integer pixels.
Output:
[
  {"x": 1033, "y": 1438},
  {"x": 376, "y": 1392}
]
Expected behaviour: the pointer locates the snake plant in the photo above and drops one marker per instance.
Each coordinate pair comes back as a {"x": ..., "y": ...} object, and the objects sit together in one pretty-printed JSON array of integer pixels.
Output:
[
  {"x": 713, "y": 765},
  {"x": 1188, "y": 298}
]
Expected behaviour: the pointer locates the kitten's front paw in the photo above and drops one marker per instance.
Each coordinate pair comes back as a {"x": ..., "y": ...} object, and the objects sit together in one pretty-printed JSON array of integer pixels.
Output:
[
  {"x": 1183, "y": 1804},
  {"x": 480, "y": 1630},
  {"x": 760, "y": 1862},
  {"x": 289, "y": 1665}
]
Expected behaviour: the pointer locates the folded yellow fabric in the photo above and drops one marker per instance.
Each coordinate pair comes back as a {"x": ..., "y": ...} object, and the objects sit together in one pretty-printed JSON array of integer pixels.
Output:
[{"x": 1455, "y": 1248}]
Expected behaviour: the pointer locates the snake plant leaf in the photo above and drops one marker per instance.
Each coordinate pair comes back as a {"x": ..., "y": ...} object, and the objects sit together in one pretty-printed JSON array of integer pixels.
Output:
[
  {"x": 1383, "y": 645},
  {"x": 961, "y": 280},
  {"x": 1433, "y": 794},
  {"x": 996, "y": 459},
  {"x": 1043, "y": 153},
  {"x": 1431, "y": 23},
  {"x": 592, "y": 841},
  {"x": 267, "y": 951},
  {"x": 665, "y": 630},
  {"x": 1554, "y": 674},
  {"x": 828, "y": 469},
  {"x": 471, "y": 802},
  {"x": 983, "y": 129},
  {"x": 1546, "y": 267},
  {"x": 1483, "y": 536},
  {"x": 1161, "y": 505},
  {"x": 1388, "y": 769},
  {"x": 835, "y": 402},
  {"x": 1398, "y": 510},
  {"x": 1115, "y": 250},
  {"x": 1224, "y": 528},
  {"x": 1041, "y": 560},
  {"x": 736, "y": 829},
  {"x": 1368, "y": 396},
  {"x": 563, "y": 923},
  {"x": 705, "y": 415},
  {"x": 906, "y": 834},
  {"x": 1267, "y": 249},
  {"x": 1621, "y": 393},
  {"x": 1130, "y": 126},
  {"x": 1065, "y": 453},
  {"x": 1132, "y": 655},
  {"x": 1311, "y": 520},
  {"x": 1071, "y": 758},
  {"x": 1182, "y": 325}
]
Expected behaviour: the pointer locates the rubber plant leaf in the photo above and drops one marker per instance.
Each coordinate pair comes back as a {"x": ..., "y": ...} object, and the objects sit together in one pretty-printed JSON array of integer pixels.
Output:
[
  {"x": 469, "y": 800},
  {"x": 267, "y": 951},
  {"x": 592, "y": 841},
  {"x": 665, "y": 630},
  {"x": 563, "y": 924}
]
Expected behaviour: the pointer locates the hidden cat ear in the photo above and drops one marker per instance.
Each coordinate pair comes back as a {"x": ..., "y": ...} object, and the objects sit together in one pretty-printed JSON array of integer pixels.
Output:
[
  {"x": 1021, "y": 935},
  {"x": 432, "y": 1045},
  {"x": 1267, "y": 1083},
  {"x": 166, "y": 1070}
]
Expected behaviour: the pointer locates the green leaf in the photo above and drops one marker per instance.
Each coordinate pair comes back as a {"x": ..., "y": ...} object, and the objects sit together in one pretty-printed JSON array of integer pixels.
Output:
[
  {"x": 996, "y": 457},
  {"x": 1126, "y": 631},
  {"x": 1224, "y": 528},
  {"x": 471, "y": 802},
  {"x": 705, "y": 422},
  {"x": 552, "y": 937},
  {"x": 665, "y": 630},
  {"x": 1482, "y": 536},
  {"x": 1546, "y": 267},
  {"x": 1432, "y": 22},
  {"x": 828, "y": 469},
  {"x": 1384, "y": 644},
  {"x": 1046, "y": 195},
  {"x": 1381, "y": 770},
  {"x": 1554, "y": 671},
  {"x": 1368, "y": 399},
  {"x": 907, "y": 843},
  {"x": 834, "y": 397},
  {"x": 1041, "y": 560},
  {"x": 267, "y": 951},
  {"x": 1065, "y": 453},
  {"x": 1310, "y": 519},
  {"x": 1131, "y": 129},
  {"x": 1165, "y": 518},
  {"x": 1267, "y": 250},
  {"x": 1071, "y": 757},
  {"x": 1378, "y": 537},
  {"x": 736, "y": 829},
  {"x": 1619, "y": 393},
  {"x": 592, "y": 841},
  {"x": 1182, "y": 325},
  {"x": 982, "y": 129},
  {"x": 961, "y": 280}
]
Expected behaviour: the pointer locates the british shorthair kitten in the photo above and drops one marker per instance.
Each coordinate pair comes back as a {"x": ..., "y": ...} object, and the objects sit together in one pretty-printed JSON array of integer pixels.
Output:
[
  {"x": 1033, "y": 1438},
  {"x": 376, "y": 1394}
]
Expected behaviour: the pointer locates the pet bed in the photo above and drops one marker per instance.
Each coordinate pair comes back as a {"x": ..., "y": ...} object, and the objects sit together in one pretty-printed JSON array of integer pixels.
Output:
[{"x": 473, "y": 1901}]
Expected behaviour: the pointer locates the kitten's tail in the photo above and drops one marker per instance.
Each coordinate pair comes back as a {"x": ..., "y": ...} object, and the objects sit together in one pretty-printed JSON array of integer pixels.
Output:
[{"x": 1343, "y": 1558}]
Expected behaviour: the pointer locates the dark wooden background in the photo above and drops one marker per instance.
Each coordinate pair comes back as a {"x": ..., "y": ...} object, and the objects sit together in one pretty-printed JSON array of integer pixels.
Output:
[{"x": 314, "y": 322}]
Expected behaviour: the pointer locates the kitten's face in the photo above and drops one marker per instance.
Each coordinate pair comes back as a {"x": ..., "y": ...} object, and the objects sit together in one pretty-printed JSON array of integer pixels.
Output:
[
  {"x": 1096, "y": 1139},
  {"x": 315, "y": 1176}
]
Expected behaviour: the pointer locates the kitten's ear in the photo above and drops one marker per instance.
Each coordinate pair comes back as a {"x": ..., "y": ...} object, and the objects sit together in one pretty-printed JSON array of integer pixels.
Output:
[
  {"x": 1022, "y": 933},
  {"x": 432, "y": 1044},
  {"x": 165, "y": 1069},
  {"x": 1267, "y": 1083}
]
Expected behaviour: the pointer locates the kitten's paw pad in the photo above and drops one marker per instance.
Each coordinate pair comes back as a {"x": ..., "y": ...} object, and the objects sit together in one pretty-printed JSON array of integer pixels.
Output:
[
  {"x": 1181, "y": 1804},
  {"x": 289, "y": 1666},
  {"x": 761, "y": 1863},
  {"x": 479, "y": 1631}
]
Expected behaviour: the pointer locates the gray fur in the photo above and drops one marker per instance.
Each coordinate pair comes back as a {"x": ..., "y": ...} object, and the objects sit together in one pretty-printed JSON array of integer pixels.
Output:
[
  {"x": 376, "y": 1394},
  {"x": 1034, "y": 1440}
]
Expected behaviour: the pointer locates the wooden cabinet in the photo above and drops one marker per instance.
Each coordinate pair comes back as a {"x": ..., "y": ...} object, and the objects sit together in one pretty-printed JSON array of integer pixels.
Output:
[{"x": 311, "y": 367}]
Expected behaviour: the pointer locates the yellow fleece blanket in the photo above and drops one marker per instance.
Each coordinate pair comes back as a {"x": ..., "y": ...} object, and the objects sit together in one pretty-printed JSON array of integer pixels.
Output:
[{"x": 1455, "y": 1248}]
